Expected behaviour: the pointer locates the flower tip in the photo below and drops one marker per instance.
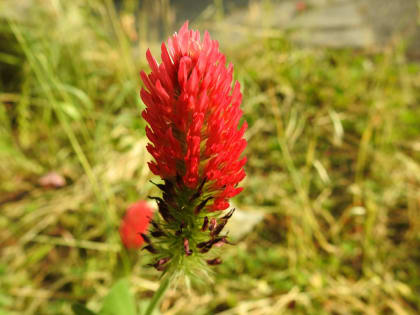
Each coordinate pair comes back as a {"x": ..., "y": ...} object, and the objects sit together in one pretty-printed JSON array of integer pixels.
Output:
[{"x": 184, "y": 27}]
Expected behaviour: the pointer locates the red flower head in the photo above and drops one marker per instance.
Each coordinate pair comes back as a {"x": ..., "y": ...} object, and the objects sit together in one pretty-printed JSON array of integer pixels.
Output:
[
  {"x": 193, "y": 112},
  {"x": 135, "y": 223}
]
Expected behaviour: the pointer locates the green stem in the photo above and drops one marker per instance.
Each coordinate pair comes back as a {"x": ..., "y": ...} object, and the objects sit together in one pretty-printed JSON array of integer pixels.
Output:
[{"x": 158, "y": 296}]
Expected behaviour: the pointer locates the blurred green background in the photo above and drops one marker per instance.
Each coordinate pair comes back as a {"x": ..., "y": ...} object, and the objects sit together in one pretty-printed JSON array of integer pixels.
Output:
[{"x": 331, "y": 96}]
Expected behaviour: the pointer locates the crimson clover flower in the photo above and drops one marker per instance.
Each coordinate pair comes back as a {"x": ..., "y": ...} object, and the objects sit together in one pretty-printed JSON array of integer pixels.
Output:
[
  {"x": 193, "y": 112},
  {"x": 135, "y": 223}
]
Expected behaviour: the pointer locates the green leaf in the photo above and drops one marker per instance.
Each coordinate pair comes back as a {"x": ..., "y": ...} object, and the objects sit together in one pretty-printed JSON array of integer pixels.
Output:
[
  {"x": 80, "y": 309},
  {"x": 119, "y": 301}
]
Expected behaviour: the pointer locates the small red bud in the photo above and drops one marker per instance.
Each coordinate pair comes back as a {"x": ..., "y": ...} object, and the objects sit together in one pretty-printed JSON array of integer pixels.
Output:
[{"x": 134, "y": 223}]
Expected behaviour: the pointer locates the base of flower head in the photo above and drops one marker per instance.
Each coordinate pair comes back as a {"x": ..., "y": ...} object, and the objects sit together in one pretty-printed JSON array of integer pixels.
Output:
[{"x": 183, "y": 236}]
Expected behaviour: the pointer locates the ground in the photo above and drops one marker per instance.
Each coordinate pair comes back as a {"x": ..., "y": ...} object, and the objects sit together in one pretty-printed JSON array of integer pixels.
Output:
[{"x": 333, "y": 166}]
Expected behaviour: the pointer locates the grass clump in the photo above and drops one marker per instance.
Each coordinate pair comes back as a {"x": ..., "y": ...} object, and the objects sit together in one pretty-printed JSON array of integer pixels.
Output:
[{"x": 334, "y": 160}]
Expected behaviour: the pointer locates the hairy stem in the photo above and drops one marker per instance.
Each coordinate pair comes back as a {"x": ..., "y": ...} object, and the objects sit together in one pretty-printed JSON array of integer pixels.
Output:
[{"x": 158, "y": 296}]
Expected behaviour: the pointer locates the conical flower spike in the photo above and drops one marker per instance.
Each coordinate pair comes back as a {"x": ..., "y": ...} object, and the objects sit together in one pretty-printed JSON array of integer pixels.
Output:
[{"x": 193, "y": 115}]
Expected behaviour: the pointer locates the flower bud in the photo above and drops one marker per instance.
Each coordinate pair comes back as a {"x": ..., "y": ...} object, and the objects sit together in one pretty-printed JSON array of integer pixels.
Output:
[{"x": 134, "y": 224}]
